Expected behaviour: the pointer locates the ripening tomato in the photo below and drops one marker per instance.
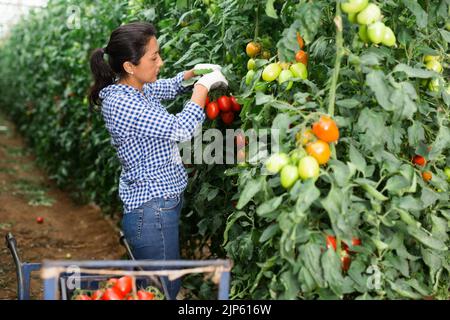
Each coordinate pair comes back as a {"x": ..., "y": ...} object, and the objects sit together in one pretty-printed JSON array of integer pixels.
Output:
[
  {"x": 288, "y": 176},
  {"x": 266, "y": 55},
  {"x": 428, "y": 58},
  {"x": 302, "y": 57},
  {"x": 376, "y": 32},
  {"x": 235, "y": 105},
  {"x": 253, "y": 49},
  {"x": 271, "y": 72},
  {"x": 227, "y": 117},
  {"x": 427, "y": 176},
  {"x": 369, "y": 15},
  {"x": 308, "y": 168},
  {"x": 326, "y": 129},
  {"x": 249, "y": 77},
  {"x": 240, "y": 141},
  {"x": 305, "y": 137},
  {"x": 224, "y": 103},
  {"x": 356, "y": 242},
  {"x": 419, "y": 160},
  {"x": 345, "y": 260},
  {"x": 276, "y": 162},
  {"x": 241, "y": 155},
  {"x": 212, "y": 110},
  {"x": 320, "y": 150},
  {"x": 354, "y": 6}
]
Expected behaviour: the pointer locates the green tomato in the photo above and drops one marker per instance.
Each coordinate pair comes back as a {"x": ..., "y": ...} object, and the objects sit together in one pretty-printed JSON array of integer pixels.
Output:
[
  {"x": 363, "y": 33},
  {"x": 447, "y": 173},
  {"x": 376, "y": 32},
  {"x": 352, "y": 17},
  {"x": 284, "y": 76},
  {"x": 354, "y": 6},
  {"x": 429, "y": 58},
  {"x": 369, "y": 15},
  {"x": 299, "y": 70},
  {"x": 289, "y": 176},
  {"x": 249, "y": 77},
  {"x": 308, "y": 167},
  {"x": 433, "y": 85},
  {"x": 447, "y": 26},
  {"x": 389, "y": 37},
  {"x": 271, "y": 72},
  {"x": 297, "y": 155},
  {"x": 276, "y": 162},
  {"x": 261, "y": 86},
  {"x": 434, "y": 65},
  {"x": 251, "y": 64}
]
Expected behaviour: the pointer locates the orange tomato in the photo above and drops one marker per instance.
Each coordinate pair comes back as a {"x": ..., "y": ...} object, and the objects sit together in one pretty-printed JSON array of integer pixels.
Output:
[
  {"x": 300, "y": 41},
  {"x": 427, "y": 175},
  {"x": 253, "y": 49},
  {"x": 302, "y": 57},
  {"x": 326, "y": 129},
  {"x": 320, "y": 150}
]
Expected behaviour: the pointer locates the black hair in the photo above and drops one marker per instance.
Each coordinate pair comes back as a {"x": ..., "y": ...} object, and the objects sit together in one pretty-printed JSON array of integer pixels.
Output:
[{"x": 127, "y": 43}]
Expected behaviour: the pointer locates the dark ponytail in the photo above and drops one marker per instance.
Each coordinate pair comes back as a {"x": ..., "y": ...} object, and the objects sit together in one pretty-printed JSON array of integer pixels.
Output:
[{"x": 127, "y": 43}]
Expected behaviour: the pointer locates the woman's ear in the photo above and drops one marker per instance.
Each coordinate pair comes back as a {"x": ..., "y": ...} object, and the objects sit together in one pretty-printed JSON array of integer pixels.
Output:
[{"x": 128, "y": 67}]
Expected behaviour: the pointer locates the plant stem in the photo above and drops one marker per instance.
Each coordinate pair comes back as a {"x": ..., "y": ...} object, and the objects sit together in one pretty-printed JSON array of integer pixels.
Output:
[
  {"x": 257, "y": 23},
  {"x": 339, "y": 55}
]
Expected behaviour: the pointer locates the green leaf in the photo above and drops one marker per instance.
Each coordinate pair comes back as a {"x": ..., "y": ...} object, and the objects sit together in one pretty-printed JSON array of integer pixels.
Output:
[
  {"x": 357, "y": 159},
  {"x": 427, "y": 240},
  {"x": 269, "y": 206},
  {"x": 417, "y": 10},
  {"x": 445, "y": 35},
  {"x": 270, "y": 10},
  {"x": 270, "y": 231},
  {"x": 310, "y": 257},
  {"x": 369, "y": 187},
  {"x": 376, "y": 80},
  {"x": 251, "y": 188},
  {"x": 331, "y": 265},
  {"x": 230, "y": 222},
  {"x": 414, "y": 72}
]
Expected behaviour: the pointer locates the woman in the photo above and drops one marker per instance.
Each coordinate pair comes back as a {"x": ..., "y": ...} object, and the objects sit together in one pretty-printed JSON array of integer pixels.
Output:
[{"x": 145, "y": 136}]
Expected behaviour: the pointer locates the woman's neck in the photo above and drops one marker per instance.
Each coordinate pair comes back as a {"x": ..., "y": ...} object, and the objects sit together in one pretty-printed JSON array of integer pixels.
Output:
[{"x": 132, "y": 83}]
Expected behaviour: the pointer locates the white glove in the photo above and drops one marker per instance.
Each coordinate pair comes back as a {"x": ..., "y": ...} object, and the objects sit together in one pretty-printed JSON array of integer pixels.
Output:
[
  {"x": 214, "y": 67},
  {"x": 213, "y": 80}
]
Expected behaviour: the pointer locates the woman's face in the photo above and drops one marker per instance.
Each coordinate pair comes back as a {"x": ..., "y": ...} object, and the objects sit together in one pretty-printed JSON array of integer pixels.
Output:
[{"x": 148, "y": 68}]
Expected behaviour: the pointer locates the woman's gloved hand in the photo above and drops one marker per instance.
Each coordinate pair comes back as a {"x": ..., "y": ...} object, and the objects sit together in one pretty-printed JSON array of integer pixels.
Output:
[
  {"x": 213, "y": 80},
  {"x": 202, "y": 66}
]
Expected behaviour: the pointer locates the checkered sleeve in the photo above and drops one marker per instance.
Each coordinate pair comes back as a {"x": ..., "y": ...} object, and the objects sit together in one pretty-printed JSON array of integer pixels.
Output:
[
  {"x": 166, "y": 89},
  {"x": 157, "y": 122}
]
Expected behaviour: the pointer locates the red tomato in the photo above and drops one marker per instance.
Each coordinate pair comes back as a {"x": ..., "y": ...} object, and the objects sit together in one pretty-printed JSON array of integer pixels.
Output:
[
  {"x": 207, "y": 101},
  {"x": 419, "y": 160},
  {"x": 113, "y": 294},
  {"x": 125, "y": 284},
  {"x": 235, "y": 105},
  {"x": 345, "y": 260},
  {"x": 97, "y": 295},
  {"x": 224, "y": 103},
  {"x": 227, "y": 117},
  {"x": 356, "y": 242},
  {"x": 82, "y": 297},
  {"x": 144, "y": 295},
  {"x": 331, "y": 242},
  {"x": 326, "y": 129},
  {"x": 212, "y": 110},
  {"x": 40, "y": 220}
]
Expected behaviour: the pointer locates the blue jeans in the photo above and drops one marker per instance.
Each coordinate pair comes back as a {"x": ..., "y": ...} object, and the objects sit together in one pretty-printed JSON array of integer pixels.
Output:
[{"x": 152, "y": 231}]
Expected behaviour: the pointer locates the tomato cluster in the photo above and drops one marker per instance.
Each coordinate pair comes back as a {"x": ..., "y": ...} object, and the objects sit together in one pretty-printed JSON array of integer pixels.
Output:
[
  {"x": 305, "y": 164},
  {"x": 433, "y": 63},
  {"x": 225, "y": 106},
  {"x": 345, "y": 250},
  {"x": 368, "y": 16},
  {"x": 119, "y": 289}
]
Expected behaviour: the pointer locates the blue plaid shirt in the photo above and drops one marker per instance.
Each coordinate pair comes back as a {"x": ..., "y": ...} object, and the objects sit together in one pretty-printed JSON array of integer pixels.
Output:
[{"x": 145, "y": 137}]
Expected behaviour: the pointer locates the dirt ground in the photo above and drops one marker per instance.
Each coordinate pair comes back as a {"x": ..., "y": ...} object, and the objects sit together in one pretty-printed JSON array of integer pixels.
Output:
[{"x": 69, "y": 231}]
